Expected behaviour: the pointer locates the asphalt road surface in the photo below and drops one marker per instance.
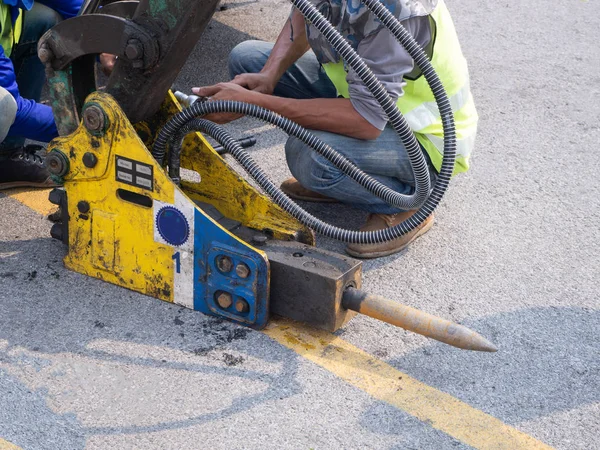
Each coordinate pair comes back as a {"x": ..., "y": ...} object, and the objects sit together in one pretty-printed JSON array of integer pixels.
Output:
[{"x": 514, "y": 254}]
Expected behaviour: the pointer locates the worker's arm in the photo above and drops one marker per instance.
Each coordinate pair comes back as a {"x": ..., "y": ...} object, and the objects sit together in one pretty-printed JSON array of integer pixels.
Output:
[
  {"x": 336, "y": 115},
  {"x": 360, "y": 116},
  {"x": 34, "y": 120},
  {"x": 290, "y": 45}
]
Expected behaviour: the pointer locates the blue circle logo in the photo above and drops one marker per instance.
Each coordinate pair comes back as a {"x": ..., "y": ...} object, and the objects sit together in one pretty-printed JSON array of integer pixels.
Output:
[{"x": 172, "y": 225}]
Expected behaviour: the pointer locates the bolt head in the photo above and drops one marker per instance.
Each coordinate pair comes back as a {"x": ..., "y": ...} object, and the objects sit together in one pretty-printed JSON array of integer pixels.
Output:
[
  {"x": 93, "y": 119},
  {"x": 259, "y": 239},
  {"x": 45, "y": 54},
  {"x": 57, "y": 231},
  {"x": 242, "y": 270},
  {"x": 134, "y": 50},
  {"x": 57, "y": 196},
  {"x": 90, "y": 160},
  {"x": 83, "y": 207},
  {"x": 242, "y": 306},
  {"x": 57, "y": 163},
  {"x": 224, "y": 263},
  {"x": 224, "y": 300}
]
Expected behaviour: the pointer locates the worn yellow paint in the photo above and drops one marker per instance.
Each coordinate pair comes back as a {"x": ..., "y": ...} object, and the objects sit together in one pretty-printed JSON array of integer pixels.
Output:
[
  {"x": 114, "y": 241},
  {"x": 36, "y": 199},
  {"x": 383, "y": 382},
  {"x": 5, "y": 445}
]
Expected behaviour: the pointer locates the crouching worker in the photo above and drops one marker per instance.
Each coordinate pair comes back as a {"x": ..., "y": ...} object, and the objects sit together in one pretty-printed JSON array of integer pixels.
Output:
[{"x": 302, "y": 78}]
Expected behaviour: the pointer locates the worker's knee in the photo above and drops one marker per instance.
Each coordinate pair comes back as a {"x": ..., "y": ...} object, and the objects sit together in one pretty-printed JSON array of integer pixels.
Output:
[
  {"x": 249, "y": 57},
  {"x": 309, "y": 168},
  {"x": 8, "y": 112},
  {"x": 37, "y": 21}
]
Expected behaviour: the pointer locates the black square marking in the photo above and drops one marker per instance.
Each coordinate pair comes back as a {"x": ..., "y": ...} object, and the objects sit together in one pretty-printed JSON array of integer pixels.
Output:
[{"x": 134, "y": 173}]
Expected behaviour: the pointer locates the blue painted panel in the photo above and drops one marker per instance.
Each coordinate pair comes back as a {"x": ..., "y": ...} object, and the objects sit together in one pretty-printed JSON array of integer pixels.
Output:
[{"x": 210, "y": 242}]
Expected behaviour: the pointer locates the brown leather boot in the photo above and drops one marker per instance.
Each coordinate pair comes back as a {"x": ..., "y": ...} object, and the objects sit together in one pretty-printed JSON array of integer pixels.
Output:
[
  {"x": 295, "y": 190},
  {"x": 381, "y": 222}
]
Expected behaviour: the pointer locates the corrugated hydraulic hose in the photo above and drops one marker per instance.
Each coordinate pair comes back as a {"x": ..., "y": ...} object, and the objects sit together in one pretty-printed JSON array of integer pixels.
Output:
[{"x": 419, "y": 166}]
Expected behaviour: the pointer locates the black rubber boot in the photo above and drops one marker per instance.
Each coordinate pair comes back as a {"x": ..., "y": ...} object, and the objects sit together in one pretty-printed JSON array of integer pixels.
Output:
[{"x": 24, "y": 167}]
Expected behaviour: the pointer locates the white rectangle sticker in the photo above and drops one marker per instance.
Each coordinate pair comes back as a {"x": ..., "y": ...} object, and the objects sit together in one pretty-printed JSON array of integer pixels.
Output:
[
  {"x": 145, "y": 170},
  {"x": 144, "y": 182},
  {"x": 124, "y": 176},
  {"x": 124, "y": 164}
]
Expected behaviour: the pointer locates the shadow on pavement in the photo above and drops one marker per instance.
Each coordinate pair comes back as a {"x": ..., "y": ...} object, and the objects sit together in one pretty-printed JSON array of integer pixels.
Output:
[
  {"x": 49, "y": 312},
  {"x": 27, "y": 421},
  {"x": 207, "y": 64},
  {"x": 547, "y": 362}
]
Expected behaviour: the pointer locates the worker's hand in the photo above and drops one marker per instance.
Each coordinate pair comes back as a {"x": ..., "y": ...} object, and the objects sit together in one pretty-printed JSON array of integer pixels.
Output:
[
  {"x": 107, "y": 62},
  {"x": 258, "y": 82},
  {"x": 225, "y": 91}
]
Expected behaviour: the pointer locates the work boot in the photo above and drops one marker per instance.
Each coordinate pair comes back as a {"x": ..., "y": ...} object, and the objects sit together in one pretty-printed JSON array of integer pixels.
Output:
[
  {"x": 295, "y": 190},
  {"x": 24, "y": 167},
  {"x": 381, "y": 222}
]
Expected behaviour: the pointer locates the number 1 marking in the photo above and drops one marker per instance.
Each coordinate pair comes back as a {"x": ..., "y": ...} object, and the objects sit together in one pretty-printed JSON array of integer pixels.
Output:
[{"x": 177, "y": 259}]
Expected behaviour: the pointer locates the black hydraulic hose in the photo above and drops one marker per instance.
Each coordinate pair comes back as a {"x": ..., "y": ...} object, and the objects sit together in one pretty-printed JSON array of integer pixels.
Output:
[
  {"x": 244, "y": 142},
  {"x": 445, "y": 112},
  {"x": 175, "y": 161}
]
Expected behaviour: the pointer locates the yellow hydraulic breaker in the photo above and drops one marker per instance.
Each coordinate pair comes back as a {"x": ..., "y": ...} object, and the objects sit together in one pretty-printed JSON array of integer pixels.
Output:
[
  {"x": 213, "y": 242},
  {"x": 125, "y": 222}
]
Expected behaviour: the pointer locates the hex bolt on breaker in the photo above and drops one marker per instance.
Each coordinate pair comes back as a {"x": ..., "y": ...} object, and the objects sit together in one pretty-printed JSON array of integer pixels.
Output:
[{"x": 219, "y": 245}]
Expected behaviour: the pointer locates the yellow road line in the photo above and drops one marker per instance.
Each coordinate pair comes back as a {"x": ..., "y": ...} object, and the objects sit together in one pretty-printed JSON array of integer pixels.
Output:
[
  {"x": 383, "y": 382},
  {"x": 5, "y": 445},
  {"x": 378, "y": 379},
  {"x": 36, "y": 199}
]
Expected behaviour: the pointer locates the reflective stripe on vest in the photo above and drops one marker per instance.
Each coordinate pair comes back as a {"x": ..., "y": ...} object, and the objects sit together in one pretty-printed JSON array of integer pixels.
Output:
[
  {"x": 427, "y": 113},
  {"x": 418, "y": 103},
  {"x": 9, "y": 33}
]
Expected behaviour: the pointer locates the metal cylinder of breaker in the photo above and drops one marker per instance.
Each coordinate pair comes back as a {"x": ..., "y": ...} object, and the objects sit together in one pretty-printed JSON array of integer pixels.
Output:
[{"x": 186, "y": 100}]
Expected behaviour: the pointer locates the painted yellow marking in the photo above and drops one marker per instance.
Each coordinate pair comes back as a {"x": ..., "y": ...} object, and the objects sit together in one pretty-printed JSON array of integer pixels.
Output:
[
  {"x": 5, "y": 445},
  {"x": 381, "y": 381},
  {"x": 36, "y": 199}
]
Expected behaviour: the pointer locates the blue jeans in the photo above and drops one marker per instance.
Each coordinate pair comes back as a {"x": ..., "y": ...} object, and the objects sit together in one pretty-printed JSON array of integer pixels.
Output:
[
  {"x": 29, "y": 70},
  {"x": 384, "y": 158}
]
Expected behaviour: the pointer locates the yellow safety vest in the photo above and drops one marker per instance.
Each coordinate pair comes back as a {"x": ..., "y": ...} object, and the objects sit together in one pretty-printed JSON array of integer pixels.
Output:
[
  {"x": 9, "y": 33},
  {"x": 418, "y": 103}
]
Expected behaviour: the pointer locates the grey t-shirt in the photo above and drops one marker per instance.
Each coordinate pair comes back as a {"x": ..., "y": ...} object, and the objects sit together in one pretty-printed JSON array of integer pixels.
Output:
[{"x": 388, "y": 60}]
